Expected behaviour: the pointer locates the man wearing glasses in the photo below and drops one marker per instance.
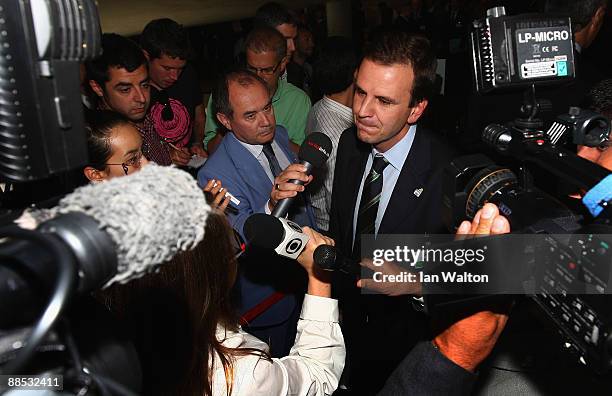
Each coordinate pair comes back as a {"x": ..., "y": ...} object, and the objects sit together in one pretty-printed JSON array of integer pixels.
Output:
[{"x": 266, "y": 56}]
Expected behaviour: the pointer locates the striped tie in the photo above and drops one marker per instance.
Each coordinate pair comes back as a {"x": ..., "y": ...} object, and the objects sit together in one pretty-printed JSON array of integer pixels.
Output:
[
  {"x": 370, "y": 197},
  {"x": 272, "y": 160}
]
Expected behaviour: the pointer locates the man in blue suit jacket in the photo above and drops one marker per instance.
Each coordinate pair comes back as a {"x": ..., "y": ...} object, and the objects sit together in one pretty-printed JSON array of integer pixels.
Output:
[{"x": 242, "y": 162}]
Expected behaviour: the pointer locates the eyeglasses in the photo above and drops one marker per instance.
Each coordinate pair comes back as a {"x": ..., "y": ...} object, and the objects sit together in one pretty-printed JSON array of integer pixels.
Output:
[
  {"x": 135, "y": 161},
  {"x": 264, "y": 70}
]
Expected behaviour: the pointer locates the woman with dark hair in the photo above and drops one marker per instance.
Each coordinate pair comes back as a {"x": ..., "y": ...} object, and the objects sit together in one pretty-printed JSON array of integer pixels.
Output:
[
  {"x": 189, "y": 336},
  {"x": 114, "y": 146}
]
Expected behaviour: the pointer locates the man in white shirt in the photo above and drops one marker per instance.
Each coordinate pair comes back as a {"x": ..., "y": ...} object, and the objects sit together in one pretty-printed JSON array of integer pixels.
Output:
[{"x": 334, "y": 70}]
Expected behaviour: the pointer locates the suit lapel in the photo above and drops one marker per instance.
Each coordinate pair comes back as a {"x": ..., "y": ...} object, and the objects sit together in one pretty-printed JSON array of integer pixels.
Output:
[{"x": 413, "y": 177}]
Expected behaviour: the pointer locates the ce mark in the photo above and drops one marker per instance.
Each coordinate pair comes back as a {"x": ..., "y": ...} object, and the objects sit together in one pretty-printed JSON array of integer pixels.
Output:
[{"x": 553, "y": 48}]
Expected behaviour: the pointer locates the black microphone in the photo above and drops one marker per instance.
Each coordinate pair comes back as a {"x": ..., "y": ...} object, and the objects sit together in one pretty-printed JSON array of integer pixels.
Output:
[
  {"x": 327, "y": 258},
  {"x": 263, "y": 231},
  {"x": 283, "y": 236},
  {"x": 314, "y": 152}
]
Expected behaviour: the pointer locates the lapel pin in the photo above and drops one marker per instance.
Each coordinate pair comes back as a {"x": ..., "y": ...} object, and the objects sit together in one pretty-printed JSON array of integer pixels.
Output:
[{"x": 418, "y": 192}]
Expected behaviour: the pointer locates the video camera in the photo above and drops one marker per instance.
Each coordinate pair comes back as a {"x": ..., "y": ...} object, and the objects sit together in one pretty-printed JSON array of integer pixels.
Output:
[
  {"x": 72, "y": 348},
  {"x": 528, "y": 51}
]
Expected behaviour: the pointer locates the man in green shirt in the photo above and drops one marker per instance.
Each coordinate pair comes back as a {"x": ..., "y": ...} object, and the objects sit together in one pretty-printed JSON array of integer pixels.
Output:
[{"x": 266, "y": 55}]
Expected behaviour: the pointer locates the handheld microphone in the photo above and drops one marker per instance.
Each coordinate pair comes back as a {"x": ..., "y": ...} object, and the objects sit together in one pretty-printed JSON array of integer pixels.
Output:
[
  {"x": 284, "y": 236},
  {"x": 327, "y": 258},
  {"x": 314, "y": 152},
  {"x": 115, "y": 231}
]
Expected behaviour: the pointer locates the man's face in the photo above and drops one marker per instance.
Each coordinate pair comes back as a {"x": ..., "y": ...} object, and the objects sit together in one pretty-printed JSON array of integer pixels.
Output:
[
  {"x": 127, "y": 93},
  {"x": 267, "y": 66},
  {"x": 305, "y": 43},
  {"x": 289, "y": 32},
  {"x": 381, "y": 103},
  {"x": 253, "y": 119},
  {"x": 165, "y": 71}
]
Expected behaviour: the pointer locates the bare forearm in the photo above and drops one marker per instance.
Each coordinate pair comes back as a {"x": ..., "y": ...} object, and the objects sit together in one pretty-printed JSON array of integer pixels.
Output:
[{"x": 318, "y": 287}]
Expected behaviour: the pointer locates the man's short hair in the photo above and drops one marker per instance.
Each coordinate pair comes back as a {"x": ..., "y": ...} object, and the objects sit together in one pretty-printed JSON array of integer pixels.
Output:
[
  {"x": 220, "y": 94},
  {"x": 273, "y": 14},
  {"x": 334, "y": 66},
  {"x": 166, "y": 37},
  {"x": 392, "y": 47},
  {"x": 266, "y": 39},
  {"x": 581, "y": 11},
  {"x": 117, "y": 51}
]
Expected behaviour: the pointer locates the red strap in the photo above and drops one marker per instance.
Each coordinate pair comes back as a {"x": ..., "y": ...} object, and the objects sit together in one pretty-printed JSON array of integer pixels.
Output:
[{"x": 258, "y": 309}]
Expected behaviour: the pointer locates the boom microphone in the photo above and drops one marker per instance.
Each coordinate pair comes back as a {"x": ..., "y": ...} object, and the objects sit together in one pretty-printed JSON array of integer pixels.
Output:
[
  {"x": 115, "y": 231},
  {"x": 283, "y": 236},
  {"x": 314, "y": 152}
]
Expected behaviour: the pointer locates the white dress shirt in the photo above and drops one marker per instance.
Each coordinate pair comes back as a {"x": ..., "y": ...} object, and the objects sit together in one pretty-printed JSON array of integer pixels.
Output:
[
  {"x": 396, "y": 156},
  {"x": 313, "y": 366},
  {"x": 331, "y": 118},
  {"x": 257, "y": 151}
]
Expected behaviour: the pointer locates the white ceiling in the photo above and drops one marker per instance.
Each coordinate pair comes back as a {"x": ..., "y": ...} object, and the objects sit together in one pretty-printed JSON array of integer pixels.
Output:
[{"x": 129, "y": 17}]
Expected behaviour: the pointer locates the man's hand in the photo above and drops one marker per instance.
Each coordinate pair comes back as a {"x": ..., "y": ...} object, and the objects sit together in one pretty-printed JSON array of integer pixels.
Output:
[
  {"x": 283, "y": 189},
  {"x": 217, "y": 193},
  {"x": 198, "y": 149},
  {"x": 470, "y": 340},
  {"x": 486, "y": 222},
  {"x": 319, "y": 282},
  {"x": 180, "y": 156}
]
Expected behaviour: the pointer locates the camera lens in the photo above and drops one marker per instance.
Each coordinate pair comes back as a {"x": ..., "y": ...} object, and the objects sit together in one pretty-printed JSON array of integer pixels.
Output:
[
  {"x": 497, "y": 136},
  {"x": 485, "y": 185}
]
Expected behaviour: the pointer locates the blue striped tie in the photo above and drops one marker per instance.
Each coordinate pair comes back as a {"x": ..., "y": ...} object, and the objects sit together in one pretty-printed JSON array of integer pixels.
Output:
[{"x": 370, "y": 197}]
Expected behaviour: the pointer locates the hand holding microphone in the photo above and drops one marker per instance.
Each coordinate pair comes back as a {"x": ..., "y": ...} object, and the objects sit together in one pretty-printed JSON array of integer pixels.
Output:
[
  {"x": 287, "y": 185},
  {"x": 319, "y": 282},
  {"x": 290, "y": 240},
  {"x": 314, "y": 152}
]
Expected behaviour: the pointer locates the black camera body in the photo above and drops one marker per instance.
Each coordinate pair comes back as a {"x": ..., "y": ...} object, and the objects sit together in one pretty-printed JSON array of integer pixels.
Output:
[{"x": 572, "y": 271}]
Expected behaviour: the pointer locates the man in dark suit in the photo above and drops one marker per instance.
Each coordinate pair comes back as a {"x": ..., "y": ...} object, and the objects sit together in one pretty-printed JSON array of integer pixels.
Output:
[
  {"x": 391, "y": 90},
  {"x": 255, "y": 164}
]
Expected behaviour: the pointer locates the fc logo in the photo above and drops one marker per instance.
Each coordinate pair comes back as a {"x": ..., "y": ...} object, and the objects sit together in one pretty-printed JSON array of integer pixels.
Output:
[{"x": 293, "y": 246}]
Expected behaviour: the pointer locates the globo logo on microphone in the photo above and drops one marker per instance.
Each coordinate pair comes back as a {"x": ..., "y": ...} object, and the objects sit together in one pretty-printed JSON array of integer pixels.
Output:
[{"x": 295, "y": 245}]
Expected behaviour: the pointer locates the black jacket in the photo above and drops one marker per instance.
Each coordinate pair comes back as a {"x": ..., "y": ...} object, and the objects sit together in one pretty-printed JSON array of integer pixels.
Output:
[{"x": 381, "y": 330}]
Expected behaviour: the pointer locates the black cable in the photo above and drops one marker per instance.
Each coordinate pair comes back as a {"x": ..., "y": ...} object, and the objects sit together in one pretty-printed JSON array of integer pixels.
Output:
[{"x": 64, "y": 285}]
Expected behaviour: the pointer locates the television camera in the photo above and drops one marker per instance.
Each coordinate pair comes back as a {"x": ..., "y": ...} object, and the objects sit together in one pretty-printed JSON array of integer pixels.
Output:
[{"x": 527, "y": 51}]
